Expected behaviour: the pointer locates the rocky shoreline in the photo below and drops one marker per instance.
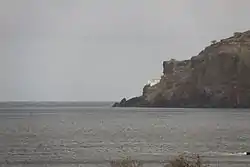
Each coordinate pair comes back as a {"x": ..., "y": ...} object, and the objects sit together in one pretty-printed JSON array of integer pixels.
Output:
[{"x": 218, "y": 77}]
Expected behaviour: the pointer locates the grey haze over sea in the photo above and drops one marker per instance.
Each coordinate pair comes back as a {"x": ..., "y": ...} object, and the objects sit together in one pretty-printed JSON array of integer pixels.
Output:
[
  {"x": 61, "y": 50},
  {"x": 93, "y": 133}
]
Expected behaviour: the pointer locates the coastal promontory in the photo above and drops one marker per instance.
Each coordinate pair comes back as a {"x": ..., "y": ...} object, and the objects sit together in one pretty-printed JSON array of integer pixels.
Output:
[{"x": 218, "y": 77}]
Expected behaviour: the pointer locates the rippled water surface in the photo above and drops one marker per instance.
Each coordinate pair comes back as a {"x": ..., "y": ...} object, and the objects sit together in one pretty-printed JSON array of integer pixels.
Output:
[{"x": 91, "y": 136}]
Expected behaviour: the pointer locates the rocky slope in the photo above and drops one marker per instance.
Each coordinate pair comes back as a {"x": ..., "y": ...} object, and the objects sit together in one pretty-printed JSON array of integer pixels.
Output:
[{"x": 219, "y": 76}]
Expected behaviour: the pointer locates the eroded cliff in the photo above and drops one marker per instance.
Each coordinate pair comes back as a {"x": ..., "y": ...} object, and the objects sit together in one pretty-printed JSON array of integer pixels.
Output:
[{"x": 219, "y": 76}]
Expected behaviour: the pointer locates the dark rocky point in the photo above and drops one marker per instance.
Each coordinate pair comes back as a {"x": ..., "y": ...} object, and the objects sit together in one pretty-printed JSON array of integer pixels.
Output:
[{"x": 218, "y": 77}]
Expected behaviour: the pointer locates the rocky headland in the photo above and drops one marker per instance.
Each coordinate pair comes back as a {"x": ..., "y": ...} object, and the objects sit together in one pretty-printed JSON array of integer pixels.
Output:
[{"x": 218, "y": 77}]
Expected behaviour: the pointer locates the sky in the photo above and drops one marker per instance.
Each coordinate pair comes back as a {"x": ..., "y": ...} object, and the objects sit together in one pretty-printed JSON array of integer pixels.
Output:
[{"x": 103, "y": 50}]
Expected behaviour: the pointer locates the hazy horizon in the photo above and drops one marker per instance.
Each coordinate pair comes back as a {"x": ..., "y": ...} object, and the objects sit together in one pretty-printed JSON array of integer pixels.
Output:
[{"x": 95, "y": 50}]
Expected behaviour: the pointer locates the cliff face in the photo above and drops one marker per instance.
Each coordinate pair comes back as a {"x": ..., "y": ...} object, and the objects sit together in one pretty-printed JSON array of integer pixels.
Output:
[{"x": 219, "y": 76}]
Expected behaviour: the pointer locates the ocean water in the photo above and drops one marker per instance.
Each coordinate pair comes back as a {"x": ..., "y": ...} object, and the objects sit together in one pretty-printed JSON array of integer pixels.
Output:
[{"x": 92, "y": 134}]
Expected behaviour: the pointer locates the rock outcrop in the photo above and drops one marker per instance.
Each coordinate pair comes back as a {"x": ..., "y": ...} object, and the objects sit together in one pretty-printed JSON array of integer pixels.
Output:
[{"x": 219, "y": 76}]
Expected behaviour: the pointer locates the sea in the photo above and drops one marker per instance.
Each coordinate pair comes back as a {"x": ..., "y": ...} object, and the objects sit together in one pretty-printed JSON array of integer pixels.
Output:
[{"x": 73, "y": 134}]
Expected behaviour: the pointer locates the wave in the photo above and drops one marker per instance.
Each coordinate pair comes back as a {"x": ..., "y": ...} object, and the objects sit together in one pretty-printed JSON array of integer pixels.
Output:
[{"x": 225, "y": 154}]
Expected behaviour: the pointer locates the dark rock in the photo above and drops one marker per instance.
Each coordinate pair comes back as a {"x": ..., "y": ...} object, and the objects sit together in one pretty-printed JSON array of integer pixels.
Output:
[
  {"x": 116, "y": 104},
  {"x": 217, "y": 77},
  {"x": 136, "y": 101},
  {"x": 122, "y": 103},
  {"x": 168, "y": 66}
]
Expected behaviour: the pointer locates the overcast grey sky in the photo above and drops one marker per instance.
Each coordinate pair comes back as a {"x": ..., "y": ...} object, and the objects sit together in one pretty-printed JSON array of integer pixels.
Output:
[{"x": 103, "y": 49}]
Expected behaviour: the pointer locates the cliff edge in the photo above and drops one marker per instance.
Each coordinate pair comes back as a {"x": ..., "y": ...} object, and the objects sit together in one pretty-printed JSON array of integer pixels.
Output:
[{"x": 218, "y": 77}]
